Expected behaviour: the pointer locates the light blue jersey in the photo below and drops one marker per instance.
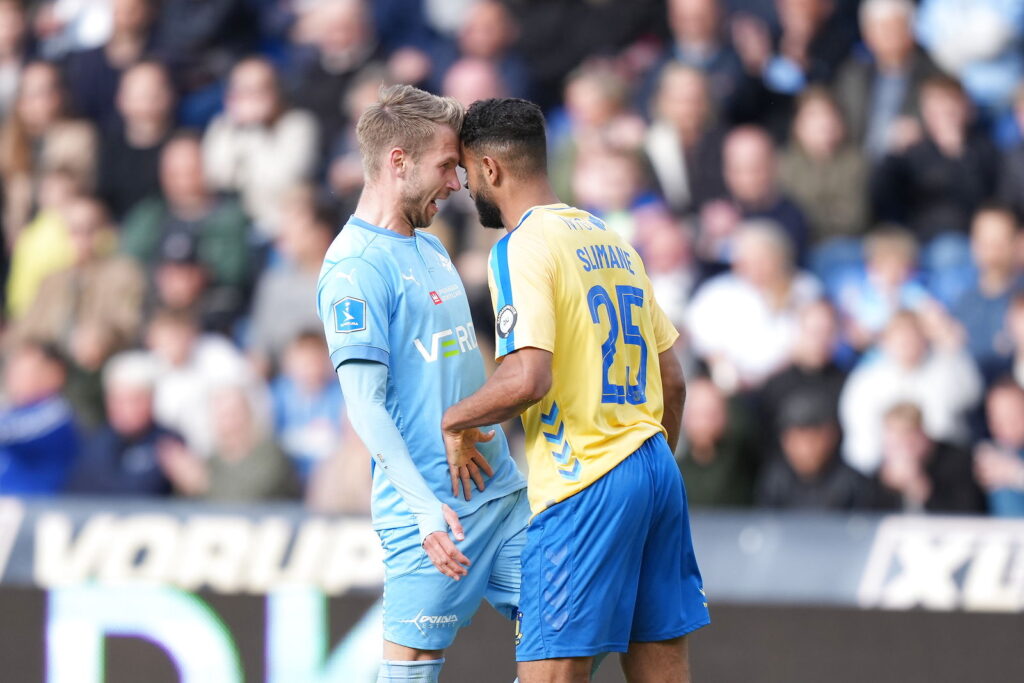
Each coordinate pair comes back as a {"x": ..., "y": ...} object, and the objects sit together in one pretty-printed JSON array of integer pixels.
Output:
[{"x": 399, "y": 301}]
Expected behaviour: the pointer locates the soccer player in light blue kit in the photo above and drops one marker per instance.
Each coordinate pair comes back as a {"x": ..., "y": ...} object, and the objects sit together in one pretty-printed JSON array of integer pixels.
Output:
[{"x": 400, "y": 335}]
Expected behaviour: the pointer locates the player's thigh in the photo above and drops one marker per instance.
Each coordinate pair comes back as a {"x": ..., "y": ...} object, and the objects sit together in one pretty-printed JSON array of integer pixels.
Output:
[
  {"x": 562, "y": 670},
  {"x": 423, "y": 608},
  {"x": 670, "y": 598},
  {"x": 506, "y": 570},
  {"x": 580, "y": 569},
  {"x": 666, "y": 661}
]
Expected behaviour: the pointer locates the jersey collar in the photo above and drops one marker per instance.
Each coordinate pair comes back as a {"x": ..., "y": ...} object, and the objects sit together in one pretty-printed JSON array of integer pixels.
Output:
[
  {"x": 560, "y": 206},
  {"x": 356, "y": 220}
]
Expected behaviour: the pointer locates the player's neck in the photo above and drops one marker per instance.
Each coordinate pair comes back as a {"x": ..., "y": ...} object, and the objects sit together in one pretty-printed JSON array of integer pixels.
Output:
[
  {"x": 373, "y": 209},
  {"x": 525, "y": 198}
]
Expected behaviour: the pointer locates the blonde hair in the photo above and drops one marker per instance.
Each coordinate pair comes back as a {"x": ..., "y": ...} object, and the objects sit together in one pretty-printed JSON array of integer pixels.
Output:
[{"x": 405, "y": 117}]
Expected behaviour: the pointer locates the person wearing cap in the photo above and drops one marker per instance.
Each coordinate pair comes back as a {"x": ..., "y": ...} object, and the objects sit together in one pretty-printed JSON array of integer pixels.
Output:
[
  {"x": 808, "y": 473},
  {"x": 121, "y": 457},
  {"x": 183, "y": 282},
  {"x": 187, "y": 205}
]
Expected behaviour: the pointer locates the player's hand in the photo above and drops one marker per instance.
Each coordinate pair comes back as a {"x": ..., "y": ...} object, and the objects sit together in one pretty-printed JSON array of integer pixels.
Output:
[
  {"x": 442, "y": 552},
  {"x": 465, "y": 462}
]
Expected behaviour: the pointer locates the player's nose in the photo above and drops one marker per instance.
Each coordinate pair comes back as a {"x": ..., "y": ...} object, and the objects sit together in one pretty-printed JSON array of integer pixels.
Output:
[{"x": 454, "y": 184}]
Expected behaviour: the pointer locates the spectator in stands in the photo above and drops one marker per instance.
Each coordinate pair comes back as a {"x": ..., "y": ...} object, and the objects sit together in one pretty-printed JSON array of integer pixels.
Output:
[
  {"x": 1011, "y": 173},
  {"x": 918, "y": 474},
  {"x": 488, "y": 33},
  {"x": 936, "y": 184},
  {"x": 744, "y": 323},
  {"x": 814, "y": 37},
  {"x": 42, "y": 247},
  {"x": 683, "y": 144},
  {"x": 38, "y": 137},
  {"x": 999, "y": 463},
  {"x": 98, "y": 290},
  {"x": 13, "y": 52},
  {"x": 596, "y": 117},
  {"x": 38, "y": 438},
  {"x": 879, "y": 91},
  {"x": 718, "y": 453},
  {"x": 340, "y": 36},
  {"x": 978, "y": 42},
  {"x": 697, "y": 41},
  {"x": 308, "y": 407},
  {"x": 811, "y": 368},
  {"x": 93, "y": 73},
  {"x": 345, "y": 170},
  {"x": 809, "y": 474},
  {"x": 823, "y": 173},
  {"x": 470, "y": 79},
  {"x": 751, "y": 177},
  {"x": 982, "y": 309},
  {"x": 62, "y": 26},
  {"x": 666, "y": 246},
  {"x": 933, "y": 371},
  {"x": 279, "y": 309},
  {"x": 243, "y": 464},
  {"x": 1014, "y": 339},
  {"x": 121, "y": 458},
  {"x": 610, "y": 182},
  {"x": 191, "y": 365},
  {"x": 129, "y": 155},
  {"x": 181, "y": 282},
  {"x": 199, "y": 41},
  {"x": 187, "y": 206},
  {"x": 259, "y": 147},
  {"x": 868, "y": 298}
]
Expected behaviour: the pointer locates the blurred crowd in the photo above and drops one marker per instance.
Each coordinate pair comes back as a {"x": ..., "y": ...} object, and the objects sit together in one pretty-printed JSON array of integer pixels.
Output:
[{"x": 827, "y": 195}]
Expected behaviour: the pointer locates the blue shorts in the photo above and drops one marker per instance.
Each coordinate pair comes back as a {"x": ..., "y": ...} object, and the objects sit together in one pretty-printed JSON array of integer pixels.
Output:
[
  {"x": 423, "y": 608},
  {"x": 612, "y": 564}
]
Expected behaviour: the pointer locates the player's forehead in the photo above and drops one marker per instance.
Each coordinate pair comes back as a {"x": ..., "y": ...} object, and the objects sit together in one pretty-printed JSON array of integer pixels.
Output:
[{"x": 443, "y": 147}]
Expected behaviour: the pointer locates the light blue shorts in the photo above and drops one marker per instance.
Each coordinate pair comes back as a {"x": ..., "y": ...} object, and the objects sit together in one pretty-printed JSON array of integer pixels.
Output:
[{"x": 423, "y": 608}]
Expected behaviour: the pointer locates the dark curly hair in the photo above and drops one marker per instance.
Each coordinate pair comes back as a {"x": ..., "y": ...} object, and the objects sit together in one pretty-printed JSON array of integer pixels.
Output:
[{"x": 510, "y": 130}]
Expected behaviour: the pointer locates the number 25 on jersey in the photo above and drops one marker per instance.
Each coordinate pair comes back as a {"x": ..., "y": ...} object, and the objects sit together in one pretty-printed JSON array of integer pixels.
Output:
[{"x": 619, "y": 313}]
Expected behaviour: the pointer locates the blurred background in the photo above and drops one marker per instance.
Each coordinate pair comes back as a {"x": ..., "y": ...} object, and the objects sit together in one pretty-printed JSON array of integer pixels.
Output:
[{"x": 827, "y": 195}]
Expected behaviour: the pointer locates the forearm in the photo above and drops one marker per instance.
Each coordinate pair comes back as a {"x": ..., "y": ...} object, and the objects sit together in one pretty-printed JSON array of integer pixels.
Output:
[
  {"x": 674, "y": 392},
  {"x": 363, "y": 384},
  {"x": 522, "y": 379},
  {"x": 498, "y": 400}
]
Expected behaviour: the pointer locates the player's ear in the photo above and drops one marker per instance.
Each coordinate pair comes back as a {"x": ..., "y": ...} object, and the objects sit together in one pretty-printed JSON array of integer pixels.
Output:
[
  {"x": 492, "y": 170},
  {"x": 398, "y": 161}
]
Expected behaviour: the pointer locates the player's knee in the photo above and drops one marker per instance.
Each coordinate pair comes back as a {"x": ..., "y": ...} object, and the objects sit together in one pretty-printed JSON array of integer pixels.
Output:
[{"x": 402, "y": 672}]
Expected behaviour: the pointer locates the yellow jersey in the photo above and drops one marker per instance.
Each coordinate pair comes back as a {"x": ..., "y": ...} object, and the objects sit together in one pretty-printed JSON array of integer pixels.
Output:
[{"x": 562, "y": 282}]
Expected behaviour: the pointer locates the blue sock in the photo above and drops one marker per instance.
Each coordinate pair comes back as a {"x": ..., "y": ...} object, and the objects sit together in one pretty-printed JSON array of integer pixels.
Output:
[{"x": 404, "y": 672}]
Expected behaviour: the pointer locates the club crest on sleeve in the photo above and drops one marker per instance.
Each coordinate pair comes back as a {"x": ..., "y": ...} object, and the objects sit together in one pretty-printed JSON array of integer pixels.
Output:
[
  {"x": 506, "y": 321},
  {"x": 349, "y": 315}
]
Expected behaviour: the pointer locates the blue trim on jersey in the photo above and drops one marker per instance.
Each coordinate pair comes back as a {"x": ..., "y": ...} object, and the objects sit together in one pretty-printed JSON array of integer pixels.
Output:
[
  {"x": 501, "y": 274},
  {"x": 521, "y": 220},
  {"x": 360, "y": 352},
  {"x": 355, "y": 220}
]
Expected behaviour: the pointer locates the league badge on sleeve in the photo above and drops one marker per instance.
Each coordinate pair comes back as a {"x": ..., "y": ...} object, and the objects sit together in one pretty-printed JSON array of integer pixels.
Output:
[
  {"x": 506, "y": 321},
  {"x": 349, "y": 315}
]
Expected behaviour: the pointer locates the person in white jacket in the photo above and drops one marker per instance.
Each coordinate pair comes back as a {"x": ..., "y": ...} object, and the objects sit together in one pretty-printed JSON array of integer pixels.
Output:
[
  {"x": 259, "y": 147},
  {"x": 921, "y": 359}
]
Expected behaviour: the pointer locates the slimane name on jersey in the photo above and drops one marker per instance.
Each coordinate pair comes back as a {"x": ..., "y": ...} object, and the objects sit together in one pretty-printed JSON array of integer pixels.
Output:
[{"x": 598, "y": 256}]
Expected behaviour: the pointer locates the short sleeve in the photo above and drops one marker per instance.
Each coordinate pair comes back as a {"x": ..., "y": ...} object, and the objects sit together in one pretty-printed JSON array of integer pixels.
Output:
[
  {"x": 354, "y": 303},
  {"x": 522, "y": 279},
  {"x": 665, "y": 333}
]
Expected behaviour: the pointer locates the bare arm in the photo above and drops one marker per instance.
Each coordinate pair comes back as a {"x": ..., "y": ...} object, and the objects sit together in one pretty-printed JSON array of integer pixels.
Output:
[
  {"x": 522, "y": 379},
  {"x": 674, "y": 389}
]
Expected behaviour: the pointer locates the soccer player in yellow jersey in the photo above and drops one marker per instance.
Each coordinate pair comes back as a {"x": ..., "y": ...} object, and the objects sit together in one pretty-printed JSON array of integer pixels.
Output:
[{"x": 586, "y": 358}]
